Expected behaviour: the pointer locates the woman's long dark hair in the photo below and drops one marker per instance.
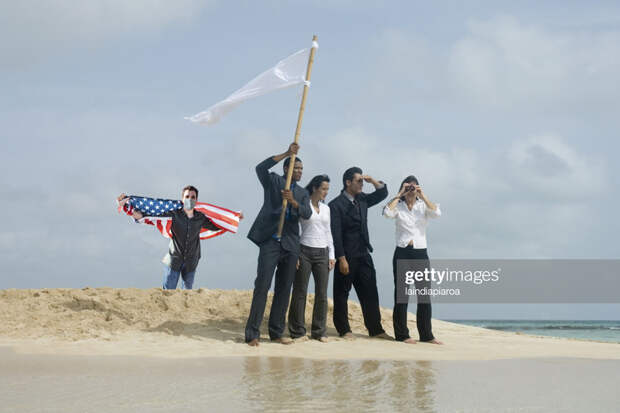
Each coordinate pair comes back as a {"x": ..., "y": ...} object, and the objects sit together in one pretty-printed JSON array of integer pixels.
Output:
[
  {"x": 408, "y": 180},
  {"x": 316, "y": 182}
]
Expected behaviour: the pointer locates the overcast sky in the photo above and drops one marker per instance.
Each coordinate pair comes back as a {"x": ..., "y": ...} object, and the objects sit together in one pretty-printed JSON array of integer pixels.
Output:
[{"x": 507, "y": 112}]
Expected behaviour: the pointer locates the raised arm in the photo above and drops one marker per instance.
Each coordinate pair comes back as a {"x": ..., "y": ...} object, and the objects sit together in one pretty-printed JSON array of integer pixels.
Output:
[
  {"x": 432, "y": 210},
  {"x": 262, "y": 169},
  {"x": 379, "y": 194},
  {"x": 122, "y": 199},
  {"x": 389, "y": 211}
]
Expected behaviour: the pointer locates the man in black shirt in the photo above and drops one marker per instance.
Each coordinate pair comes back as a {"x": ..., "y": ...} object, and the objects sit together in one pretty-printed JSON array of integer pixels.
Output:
[
  {"x": 349, "y": 224},
  {"x": 184, "y": 250}
]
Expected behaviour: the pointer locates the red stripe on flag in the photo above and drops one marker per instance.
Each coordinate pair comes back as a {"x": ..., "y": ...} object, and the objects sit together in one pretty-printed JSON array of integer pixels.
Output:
[
  {"x": 215, "y": 234},
  {"x": 219, "y": 207},
  {"x": 221, "y": 217}
]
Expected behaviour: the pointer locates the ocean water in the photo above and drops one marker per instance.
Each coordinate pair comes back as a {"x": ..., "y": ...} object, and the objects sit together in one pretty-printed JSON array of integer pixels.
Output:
[{"x": 599, "y": 330}]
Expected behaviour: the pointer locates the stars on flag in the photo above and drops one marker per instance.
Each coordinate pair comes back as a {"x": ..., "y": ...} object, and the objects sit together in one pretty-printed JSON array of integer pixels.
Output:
[{"x": 154, "y": 207}]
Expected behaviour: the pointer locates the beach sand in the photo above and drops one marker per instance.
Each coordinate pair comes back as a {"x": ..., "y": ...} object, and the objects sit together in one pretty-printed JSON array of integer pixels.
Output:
[
  {"x": 132, "y": 350},
  {"x": 210, "y": 323}
]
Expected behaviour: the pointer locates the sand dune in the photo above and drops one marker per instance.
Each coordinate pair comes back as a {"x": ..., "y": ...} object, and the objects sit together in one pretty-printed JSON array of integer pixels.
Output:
[{"x": 205, "y": 322}]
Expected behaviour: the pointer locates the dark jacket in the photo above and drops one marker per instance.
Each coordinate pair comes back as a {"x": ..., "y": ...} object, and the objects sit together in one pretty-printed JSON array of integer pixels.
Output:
[
  {"x": 185, "y": 243},
  {"x": 266, "y": 223},
  {"x": 350, "y": 226}
]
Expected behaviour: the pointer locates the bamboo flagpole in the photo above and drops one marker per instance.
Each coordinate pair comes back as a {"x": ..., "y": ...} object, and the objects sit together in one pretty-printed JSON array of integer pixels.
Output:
[{"x": 289, "y": 174}]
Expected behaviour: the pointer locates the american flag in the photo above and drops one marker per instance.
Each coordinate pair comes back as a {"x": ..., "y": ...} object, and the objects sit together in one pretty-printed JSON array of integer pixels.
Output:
[{"x": 153, "y": 208}]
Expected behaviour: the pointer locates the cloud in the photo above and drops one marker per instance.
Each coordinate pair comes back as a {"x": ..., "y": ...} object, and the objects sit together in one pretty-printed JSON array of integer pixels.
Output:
[
  {"x": 526, "y": 199},
  {"x": 550, "y": 169},
  {"x": 32, "y": 30},
  {"x": 501, "y": 63}
]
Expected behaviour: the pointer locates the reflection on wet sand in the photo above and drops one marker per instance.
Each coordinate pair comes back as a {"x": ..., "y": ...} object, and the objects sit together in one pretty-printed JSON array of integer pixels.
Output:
[
  {"x": 126, "y": 384},
  {"x": 367, "y": 385}
]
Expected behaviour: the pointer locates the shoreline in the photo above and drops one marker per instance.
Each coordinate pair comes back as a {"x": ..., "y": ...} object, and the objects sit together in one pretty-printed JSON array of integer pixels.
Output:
[{"x": 599, "y": 331}]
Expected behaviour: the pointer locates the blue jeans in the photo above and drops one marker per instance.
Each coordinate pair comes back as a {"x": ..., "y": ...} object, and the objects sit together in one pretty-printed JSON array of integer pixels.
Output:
[{"x": 171, "y": 278}]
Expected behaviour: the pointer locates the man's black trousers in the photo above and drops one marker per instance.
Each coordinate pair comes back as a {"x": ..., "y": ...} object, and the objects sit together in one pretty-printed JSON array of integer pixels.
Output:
[{"x": 363, "y": 277}]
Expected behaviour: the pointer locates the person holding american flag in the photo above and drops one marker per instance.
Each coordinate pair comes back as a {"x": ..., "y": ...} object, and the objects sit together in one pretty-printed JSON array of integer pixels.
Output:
[{"x": 185, "y": 222}]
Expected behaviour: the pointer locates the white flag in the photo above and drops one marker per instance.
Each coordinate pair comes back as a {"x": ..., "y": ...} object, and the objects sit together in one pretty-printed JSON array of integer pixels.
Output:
[{"x": 288, "y": 72}]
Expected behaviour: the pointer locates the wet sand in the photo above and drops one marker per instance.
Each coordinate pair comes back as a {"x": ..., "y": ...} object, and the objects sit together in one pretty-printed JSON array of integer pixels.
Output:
[{"x": 61, "y": 383}]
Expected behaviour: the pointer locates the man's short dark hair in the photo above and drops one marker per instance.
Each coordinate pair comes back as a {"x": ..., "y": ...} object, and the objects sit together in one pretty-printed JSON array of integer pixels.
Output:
[
  {"x": 287, "y": 161},
  {"x": 349, "y": 174},
  {"x": 190, "y": 188}
]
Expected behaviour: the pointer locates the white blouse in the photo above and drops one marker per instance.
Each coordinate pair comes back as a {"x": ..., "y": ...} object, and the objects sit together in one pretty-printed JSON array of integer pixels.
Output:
[
  {"x": 411, "y": 224},
  {"x": 316, "y": 231}
]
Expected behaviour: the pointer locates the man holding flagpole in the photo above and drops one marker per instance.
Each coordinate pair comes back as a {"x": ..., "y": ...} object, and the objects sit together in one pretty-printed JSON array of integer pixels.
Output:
[
  {"x": 276, "y": 229},
  {"x": 277, "y": 254}
]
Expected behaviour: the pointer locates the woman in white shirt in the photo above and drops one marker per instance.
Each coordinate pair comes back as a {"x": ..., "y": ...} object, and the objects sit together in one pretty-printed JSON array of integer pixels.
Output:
[
  {"x": 411, "y": 209},
  {"x": 316, "y": 256}
]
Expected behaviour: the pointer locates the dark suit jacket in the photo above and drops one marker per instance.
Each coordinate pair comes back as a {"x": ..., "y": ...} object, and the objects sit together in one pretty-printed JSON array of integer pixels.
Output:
[
  {"x": 266, "y": 223},
  {"x": 349, "y": 231}
]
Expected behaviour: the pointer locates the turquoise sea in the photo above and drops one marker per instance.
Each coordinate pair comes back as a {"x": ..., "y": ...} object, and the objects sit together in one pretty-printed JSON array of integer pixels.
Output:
[{"x": 599, "y": 330}]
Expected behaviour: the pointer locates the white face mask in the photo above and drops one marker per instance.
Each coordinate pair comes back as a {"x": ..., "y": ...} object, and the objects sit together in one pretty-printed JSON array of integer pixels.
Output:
[{"x": 189, "y": 203}]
